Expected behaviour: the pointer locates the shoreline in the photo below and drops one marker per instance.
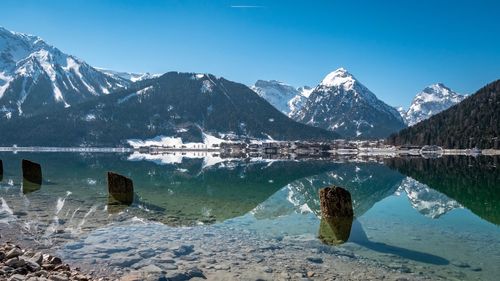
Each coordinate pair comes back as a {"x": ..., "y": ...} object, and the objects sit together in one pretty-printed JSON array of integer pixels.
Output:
[{"x": 347, "y": 152}]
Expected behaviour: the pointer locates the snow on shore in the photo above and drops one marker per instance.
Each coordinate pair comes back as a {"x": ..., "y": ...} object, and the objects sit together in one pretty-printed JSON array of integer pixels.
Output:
[{"x": 209, "y": 142}]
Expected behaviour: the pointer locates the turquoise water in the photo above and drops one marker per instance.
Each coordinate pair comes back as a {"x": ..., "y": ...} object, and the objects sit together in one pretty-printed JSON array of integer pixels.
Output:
[{"x": 436, "y": 216}]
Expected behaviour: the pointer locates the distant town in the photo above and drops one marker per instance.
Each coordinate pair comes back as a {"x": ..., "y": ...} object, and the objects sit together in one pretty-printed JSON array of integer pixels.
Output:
[
  {"x": 278, "y": 149},
  {"x": 305, "y": 148}
]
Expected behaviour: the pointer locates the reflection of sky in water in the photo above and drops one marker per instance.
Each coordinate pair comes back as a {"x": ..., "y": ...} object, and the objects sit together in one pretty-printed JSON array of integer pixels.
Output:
[{"x": 417, "y": 224}]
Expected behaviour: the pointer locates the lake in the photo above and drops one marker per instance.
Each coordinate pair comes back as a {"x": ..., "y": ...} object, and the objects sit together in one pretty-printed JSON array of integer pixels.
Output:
[{"x": 426, "y": 217}]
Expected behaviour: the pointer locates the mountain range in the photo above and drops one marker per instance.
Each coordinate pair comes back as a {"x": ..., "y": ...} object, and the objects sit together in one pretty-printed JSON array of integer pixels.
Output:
[
  {"x": 184, "y": 105},
  {"x": 38, "y": 82},
  {"x": 334, "y": 102},
  {"x": 471, "y": 123},
  {"x": 35, "y": 76},
  {"x": 340, "y": 103},
  {"x": 59, "y": 99}
]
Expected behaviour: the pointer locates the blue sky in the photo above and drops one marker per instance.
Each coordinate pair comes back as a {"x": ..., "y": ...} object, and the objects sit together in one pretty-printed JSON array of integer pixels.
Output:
[{"x": 393, "y": 47}]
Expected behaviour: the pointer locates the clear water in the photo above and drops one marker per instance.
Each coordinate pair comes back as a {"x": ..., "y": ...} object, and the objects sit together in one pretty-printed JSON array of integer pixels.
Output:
[{"x": 437, "y": 216}]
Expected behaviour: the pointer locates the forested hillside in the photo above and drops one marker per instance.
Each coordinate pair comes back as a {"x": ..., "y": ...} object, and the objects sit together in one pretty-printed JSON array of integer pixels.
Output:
[{"x": 475, "y": 122}]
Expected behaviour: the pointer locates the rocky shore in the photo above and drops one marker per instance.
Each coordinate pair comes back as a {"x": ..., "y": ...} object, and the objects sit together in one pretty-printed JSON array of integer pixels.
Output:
[{"x": 17, "y": 264}]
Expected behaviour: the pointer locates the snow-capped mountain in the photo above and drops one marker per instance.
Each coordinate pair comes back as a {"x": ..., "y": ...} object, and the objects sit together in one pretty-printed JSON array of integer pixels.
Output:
[
  {"x": 180, "y": 105},
  {"x": 35, "y": 76},
  {"x": 402, "y": 112},
  {"x": 340, "y": 103},
  {"x": 425, "y": 200},
  {"x": 432, "y": 100},
  {"x": 285, "y": 98},
  {"x": 132, "y": 77}
]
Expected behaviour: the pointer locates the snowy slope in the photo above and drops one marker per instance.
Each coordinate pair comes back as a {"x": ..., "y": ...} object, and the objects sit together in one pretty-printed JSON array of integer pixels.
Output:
[
  {"x": 132, "y": 77},
  {"x": 432, "y": 100},
  {"x": 340, "y": 103},
  {"x": 283, "y": 97},
  {"x": 35, "y": 76},
  {"x": 402, "y": 112}
]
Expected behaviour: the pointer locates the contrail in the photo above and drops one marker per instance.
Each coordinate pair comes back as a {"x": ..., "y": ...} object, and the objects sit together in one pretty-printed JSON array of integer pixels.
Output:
[{"x": 245, "y": 6}]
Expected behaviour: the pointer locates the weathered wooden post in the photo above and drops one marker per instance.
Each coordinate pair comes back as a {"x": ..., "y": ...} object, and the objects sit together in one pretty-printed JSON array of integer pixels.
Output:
[
  {"x": 120, "y": 189},
  {"x": 32, "y": 176},
  {"x": 29, "y": 186},
  {"x": 336, "y": 215},
  {"x": 32, "y": 172}
]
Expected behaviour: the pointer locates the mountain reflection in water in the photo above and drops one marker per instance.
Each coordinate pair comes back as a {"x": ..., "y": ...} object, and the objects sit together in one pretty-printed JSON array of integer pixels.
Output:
[
  {"x": 186, "y": 193},
  {"x": 474, "y": 182},
  {"x": 190, "y": 192},
  {"x": 439, "y": 205}
]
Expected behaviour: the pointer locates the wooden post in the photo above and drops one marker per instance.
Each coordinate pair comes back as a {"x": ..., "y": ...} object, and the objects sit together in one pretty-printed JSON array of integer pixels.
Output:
[
  {"x": 29, "y": 186},
  {"x": 32, "y": 172},
  {"x": 336, "y": 215},
  {"x": 120, "y": 188},
  {"x": 335, "y": 202}
]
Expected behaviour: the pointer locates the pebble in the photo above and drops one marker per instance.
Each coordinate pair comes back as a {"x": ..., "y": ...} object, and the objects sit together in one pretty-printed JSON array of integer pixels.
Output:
[
  {"x": 19, "y": 265},
  {"x": 15, "y": 252},
  {"x": 58, "y": 277},
  {"x": 268, "y": 270},
  {"x": 222, "y": 267},
  {"x": 183, "y": 250},
  {"x": 17, "y": 277},
  {"x": 169, "y": 266},
  {"x": 151, "y": 269}
]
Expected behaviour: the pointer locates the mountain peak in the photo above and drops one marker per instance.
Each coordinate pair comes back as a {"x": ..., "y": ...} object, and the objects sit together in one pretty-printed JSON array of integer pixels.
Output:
[
  {"x": 340, "y": 103},
  {"x": 339, "y": 77},
  {"x": 436, "y": 87},
  {"x": 28, "y": 39},
  {"x": 438, "y": 90},
  {"x": 35, "y": 75},
  {"x": 430, "y": 101}
]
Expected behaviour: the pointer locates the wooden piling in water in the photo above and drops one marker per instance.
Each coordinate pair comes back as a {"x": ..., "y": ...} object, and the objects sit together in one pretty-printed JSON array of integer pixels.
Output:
[
  {"x": 335, "y": 202},
  {"x": 337, "y": 215},
  {"x": 32, "y": 172},
  {"x": 120, "y": 189}
]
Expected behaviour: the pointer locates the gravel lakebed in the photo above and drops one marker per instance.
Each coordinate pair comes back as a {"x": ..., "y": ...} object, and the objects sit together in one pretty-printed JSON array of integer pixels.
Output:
[{"x": 141, "y": 250}]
